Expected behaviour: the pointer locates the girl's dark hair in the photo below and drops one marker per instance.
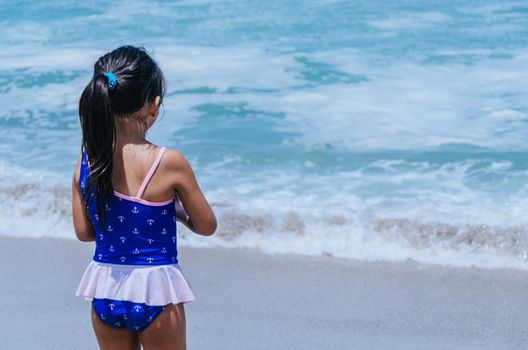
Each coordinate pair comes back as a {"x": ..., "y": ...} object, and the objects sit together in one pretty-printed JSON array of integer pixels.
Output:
[{"x": 139, "y": 80}]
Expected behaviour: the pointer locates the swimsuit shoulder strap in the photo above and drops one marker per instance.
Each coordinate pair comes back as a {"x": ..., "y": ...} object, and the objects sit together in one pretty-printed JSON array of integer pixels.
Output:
[{"x": 150, "y": 172}]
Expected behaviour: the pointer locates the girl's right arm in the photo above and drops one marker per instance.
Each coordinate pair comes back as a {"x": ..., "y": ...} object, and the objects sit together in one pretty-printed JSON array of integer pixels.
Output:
[
  {"x": 201, "y": 217},
  {"x": 81, "y": 223}
]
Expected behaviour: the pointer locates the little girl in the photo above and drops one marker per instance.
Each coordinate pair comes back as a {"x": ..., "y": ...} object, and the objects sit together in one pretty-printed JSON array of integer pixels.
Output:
[{"x": 127, "y": 195}]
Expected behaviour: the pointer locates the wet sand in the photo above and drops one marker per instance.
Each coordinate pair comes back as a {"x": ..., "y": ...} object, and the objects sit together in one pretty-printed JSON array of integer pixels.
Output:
[{"x": 249, "y": 300}]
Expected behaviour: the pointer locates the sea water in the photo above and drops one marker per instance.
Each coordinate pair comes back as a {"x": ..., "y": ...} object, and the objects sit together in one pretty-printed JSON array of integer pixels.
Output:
[{"x": 376, "y": 130}]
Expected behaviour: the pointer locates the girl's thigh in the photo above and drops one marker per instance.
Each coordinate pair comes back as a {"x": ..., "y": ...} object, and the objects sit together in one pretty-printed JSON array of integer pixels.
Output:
[
  {"x": 167, "y": 331},
  {"x": 110, "y": 338}
]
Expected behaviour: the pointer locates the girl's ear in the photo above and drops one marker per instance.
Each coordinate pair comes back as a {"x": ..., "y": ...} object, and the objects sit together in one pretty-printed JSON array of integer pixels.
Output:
[{"x": 154, "y": 107}]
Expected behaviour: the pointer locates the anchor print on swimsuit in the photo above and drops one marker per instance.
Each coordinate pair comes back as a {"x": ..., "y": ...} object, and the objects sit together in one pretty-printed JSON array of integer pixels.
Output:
[
  {"x": 126, "y": 314},
  {"x": 136, "y": 231}
]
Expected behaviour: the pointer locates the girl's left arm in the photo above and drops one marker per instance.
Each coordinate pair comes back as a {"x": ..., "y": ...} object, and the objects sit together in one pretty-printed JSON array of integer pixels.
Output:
[{"x": 81, "y": 223}]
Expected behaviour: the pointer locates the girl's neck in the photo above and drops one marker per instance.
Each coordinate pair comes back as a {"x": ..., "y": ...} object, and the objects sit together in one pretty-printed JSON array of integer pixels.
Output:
[{"x": 129, "y": 133}]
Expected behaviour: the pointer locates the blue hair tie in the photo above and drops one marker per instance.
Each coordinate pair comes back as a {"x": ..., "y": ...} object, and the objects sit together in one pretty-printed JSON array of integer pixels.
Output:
[{"x": 112, "y": 81}]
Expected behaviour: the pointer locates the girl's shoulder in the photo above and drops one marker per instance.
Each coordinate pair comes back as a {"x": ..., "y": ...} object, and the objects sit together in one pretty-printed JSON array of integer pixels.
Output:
[
  {"x": 176, "y": 166},
  {"x": 174, "y": 159}
]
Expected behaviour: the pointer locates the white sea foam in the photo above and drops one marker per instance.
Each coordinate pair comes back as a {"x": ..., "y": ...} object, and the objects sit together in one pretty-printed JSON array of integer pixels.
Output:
[
  {"x": 26, "y": 31},
  {"x": 409, "y": 211},
  {"x": 490, "y": 9},
  {"x": 225, "y": 67},
  {"x": 49, "y": 58},
  {"x": 34, "y": 203},
  {"x": 418, "y": 20},
  {"x": 423, "y": 106}
]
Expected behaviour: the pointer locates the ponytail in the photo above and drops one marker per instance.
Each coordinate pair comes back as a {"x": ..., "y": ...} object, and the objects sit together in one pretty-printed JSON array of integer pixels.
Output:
[
  {"x": 123, "y": 81},
  {"x": 98, "y": 135}
]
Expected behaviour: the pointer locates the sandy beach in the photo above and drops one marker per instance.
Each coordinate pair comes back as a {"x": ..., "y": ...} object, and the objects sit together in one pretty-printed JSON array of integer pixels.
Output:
[{"x": 249, "y": 300}]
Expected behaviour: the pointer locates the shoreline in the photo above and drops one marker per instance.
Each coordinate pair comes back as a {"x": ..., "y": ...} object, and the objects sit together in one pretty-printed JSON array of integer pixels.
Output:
[{"x": 246, "y": 299}]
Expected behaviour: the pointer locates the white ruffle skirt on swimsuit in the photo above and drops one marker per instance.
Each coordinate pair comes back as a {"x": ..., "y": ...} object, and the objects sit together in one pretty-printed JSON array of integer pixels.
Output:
[{"x": 151, "y": 285}]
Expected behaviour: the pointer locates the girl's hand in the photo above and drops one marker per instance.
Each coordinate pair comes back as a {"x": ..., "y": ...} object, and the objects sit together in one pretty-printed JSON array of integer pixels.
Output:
[{"x": 181, "y": 214}]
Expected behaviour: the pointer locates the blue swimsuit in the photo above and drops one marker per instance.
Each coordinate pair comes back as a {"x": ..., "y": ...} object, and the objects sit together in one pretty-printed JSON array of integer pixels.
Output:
[{"x": 140, "y": 237}]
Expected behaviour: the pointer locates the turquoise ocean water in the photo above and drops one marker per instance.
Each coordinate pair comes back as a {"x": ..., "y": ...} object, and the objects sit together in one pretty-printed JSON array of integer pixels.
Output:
[{"x": 381, "y": 130}]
